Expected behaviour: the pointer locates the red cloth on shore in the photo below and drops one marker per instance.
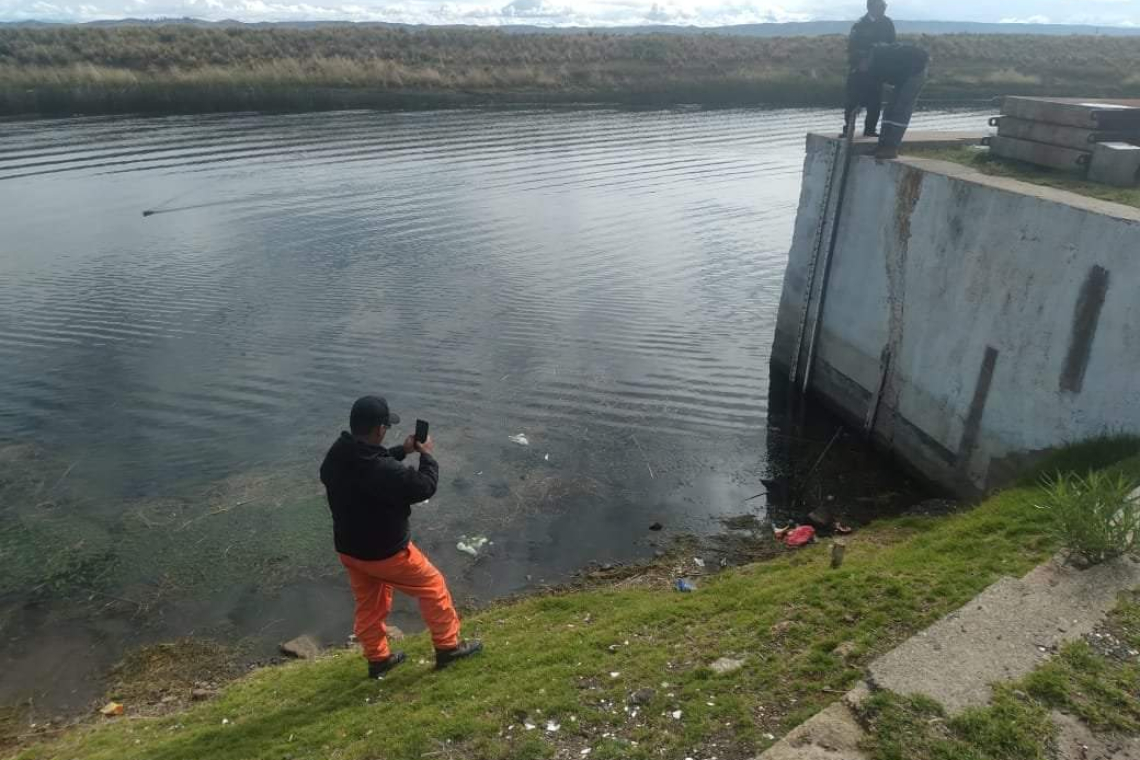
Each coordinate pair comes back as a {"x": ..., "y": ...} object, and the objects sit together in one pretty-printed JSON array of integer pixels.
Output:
[{"x": 797, "y": 537}]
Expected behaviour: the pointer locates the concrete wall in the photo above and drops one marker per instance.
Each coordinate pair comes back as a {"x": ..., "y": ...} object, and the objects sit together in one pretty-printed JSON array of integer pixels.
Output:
[{"x": 1010, "y": 313}]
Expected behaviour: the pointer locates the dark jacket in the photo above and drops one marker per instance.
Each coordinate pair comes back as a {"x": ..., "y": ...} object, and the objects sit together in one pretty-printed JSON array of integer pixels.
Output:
[
  {"x": 866, "y": 33},
  {"x": 371, "y": 493},
  {"x": 897, "y": 63}
]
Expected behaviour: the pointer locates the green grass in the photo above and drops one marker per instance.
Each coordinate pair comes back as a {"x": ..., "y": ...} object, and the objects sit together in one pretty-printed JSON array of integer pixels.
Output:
[
  {"x": 1095, "y": 517},
  {"x": 1098, "y": 689},
  {"x": 994, "y": 166},
  {"x": 553, "y": 657},
  {"x": 71, "y": 69},
  {"x": 1102, "y": 691},
  {"x": 917, "y": 728}
]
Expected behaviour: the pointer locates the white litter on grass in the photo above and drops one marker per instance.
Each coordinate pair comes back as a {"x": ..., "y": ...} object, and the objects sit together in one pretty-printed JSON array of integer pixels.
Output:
[
  {"x": 699, "y": 562},
  {"x": 520, "y": 439},
  {"x": 676, "y": 714},
  {"x": 529, "y": 726},
  {"x": 225, "y": 721},
  {"x": 615, "y": 674},
  {"x": 585, "y": 752},
  {"x": 472, "y": 544},
  {"x": 551, "y": 726}
]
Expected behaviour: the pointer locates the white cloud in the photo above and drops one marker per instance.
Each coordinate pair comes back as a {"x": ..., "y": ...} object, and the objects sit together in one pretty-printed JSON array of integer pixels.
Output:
[{"x": 1038, "y": 19}]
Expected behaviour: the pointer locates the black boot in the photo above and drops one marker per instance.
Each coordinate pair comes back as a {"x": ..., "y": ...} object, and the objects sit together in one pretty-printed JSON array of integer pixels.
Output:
[
  {"x": 377, "y": 668},
  {"x": 444, "y": 657}
]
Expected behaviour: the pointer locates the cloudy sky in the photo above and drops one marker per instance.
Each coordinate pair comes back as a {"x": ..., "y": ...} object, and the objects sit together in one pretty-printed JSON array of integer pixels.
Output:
[{"x": 575, "y": 12}]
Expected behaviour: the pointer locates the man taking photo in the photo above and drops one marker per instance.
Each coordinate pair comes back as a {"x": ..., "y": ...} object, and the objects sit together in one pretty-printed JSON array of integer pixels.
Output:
[{"x": 370, "y": 494}]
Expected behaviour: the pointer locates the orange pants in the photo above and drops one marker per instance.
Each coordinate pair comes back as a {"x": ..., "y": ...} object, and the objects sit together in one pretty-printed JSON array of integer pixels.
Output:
[{"x": 410, "y": 572}]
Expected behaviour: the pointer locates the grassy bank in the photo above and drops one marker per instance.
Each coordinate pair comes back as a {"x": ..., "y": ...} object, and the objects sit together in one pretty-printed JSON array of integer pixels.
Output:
[
  {"x": 572, "y": 661},
  {"x": 187, "y": 69},
  {"x": 995, "y": 166}
]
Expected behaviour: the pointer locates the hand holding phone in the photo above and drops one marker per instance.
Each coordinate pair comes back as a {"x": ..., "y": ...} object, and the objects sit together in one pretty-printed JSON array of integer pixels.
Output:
[{"x": 421, "y": 431}]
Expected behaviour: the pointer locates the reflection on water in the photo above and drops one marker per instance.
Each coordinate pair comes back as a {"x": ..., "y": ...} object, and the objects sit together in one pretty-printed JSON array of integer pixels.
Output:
[{"x": 603, "y": 281}]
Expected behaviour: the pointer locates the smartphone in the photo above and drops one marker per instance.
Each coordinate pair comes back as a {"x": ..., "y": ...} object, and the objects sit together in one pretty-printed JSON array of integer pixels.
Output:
[{"x": 421, "y": 431}]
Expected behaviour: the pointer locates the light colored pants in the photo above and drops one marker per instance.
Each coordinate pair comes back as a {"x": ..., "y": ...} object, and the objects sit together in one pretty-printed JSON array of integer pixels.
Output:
[
  {"x": 410, "y": 572},
  {"x": 897, "y": 116}
]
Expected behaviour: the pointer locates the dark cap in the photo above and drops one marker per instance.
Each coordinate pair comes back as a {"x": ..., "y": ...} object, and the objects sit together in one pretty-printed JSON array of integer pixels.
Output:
[{"x": 369, "y": 412}]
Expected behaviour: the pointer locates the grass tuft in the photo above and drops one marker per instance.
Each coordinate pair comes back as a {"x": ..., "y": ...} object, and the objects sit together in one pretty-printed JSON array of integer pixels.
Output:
[{"x": 1095, "y": 516}]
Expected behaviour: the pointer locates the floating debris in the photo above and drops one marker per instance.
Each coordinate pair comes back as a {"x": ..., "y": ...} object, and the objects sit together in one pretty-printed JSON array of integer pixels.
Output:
[
  {"x": 520, "y": 439},
  {"x": 472, "y": 545}
]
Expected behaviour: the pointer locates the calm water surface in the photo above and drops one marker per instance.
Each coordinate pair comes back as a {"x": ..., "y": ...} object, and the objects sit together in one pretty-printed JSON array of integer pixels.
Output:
[{"x": 604, "y": 282}]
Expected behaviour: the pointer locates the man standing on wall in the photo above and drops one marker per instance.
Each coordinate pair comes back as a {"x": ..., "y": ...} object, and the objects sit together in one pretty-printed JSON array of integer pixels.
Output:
[
  {"x": 370, "y": 494},
  {"x": 903, "y": 67},
  {"x": 873, "y": 29}
]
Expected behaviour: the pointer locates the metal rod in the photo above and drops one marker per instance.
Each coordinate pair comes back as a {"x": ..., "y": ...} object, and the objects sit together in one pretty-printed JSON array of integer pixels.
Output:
[
  {"x": 876, "y": 397},
  {"x": 809, "y": 285},
  {"x": 847, "y": 153}
]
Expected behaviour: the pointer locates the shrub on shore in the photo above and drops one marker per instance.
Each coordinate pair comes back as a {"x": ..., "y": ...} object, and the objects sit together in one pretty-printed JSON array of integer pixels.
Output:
[{"x": 1096, "y": 516}]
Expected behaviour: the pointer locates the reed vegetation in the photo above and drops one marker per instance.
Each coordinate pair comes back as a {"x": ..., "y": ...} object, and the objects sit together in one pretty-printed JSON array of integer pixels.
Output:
[{"x": 181, "y": 68}]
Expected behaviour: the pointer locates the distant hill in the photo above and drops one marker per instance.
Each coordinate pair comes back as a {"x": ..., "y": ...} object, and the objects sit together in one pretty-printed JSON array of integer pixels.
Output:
[{"x": 788, "y": 29}]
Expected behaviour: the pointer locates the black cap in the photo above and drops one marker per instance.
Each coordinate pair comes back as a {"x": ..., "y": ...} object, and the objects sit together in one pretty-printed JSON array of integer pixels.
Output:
[{"x": 369, "y": 412}]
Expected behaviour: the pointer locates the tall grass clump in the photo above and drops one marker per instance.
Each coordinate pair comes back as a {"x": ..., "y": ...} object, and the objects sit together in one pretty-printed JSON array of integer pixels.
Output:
[{"x": 1096, "y": 517}]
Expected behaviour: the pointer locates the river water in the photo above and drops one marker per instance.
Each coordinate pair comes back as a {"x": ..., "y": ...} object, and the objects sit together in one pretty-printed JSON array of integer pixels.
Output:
[{"x": 604, "y": 282}]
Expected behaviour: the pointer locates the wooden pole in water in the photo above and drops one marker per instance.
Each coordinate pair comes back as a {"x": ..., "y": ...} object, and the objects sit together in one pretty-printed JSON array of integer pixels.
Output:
[{"x": 838, "y": 549}]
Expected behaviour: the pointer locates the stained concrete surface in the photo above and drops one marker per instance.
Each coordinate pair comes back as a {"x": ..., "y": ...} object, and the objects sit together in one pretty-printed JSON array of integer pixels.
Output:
[
  {"x": 937, "y": 265},
  {"x": 831, "y": 734},
  {"x": 1003, "y": 633}
]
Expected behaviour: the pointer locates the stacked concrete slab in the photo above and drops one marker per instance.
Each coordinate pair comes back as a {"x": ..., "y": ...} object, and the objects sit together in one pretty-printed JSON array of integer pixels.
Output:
[{"x": 1096, "y": 138}]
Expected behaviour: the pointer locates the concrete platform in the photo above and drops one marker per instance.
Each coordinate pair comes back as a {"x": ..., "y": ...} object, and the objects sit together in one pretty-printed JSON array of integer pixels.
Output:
[
  {"x": 1115, "y": 163},
  {"x": 1076, "y": 138},
  {"x": 920, "y": 139},
  {"x": 1091, "y": 113},
  {"x": 1003, "y": 633},
  {"x": 1041, "y": 154}
]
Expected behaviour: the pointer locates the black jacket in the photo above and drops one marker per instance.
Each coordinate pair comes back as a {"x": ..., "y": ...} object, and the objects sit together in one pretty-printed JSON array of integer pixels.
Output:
[
  {"x": 371, "y": 493},
  {"x": 897, "y": 63},
  {"x": 866, "y": 33}
]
